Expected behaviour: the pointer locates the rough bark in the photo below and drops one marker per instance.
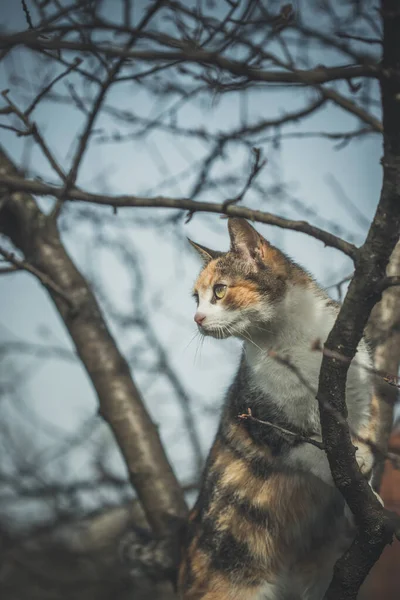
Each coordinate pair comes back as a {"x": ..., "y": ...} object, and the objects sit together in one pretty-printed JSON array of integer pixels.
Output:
[
  {"x": 120, "y": 402},
  {"x": 375, "y": 528}
]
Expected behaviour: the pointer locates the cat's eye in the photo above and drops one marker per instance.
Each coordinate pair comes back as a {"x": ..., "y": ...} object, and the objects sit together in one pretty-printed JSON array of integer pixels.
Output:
[
  {"x": 219, "y": 291},
  {"x": 196, "y": 297}
]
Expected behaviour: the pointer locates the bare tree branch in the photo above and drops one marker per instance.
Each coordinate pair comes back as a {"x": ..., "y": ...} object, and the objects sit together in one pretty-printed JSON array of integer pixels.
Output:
[
  {"x": 15, "y": 183},
  {"x": 43, "y": 278},
  {"x": 319, "y": 75},
  {"x": 375, "y": 529},
  {"x": 119, "y": 399}
]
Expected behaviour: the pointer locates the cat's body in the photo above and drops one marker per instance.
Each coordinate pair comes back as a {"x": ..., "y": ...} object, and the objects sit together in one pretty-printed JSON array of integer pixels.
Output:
[{"x": 269, "y": 523}]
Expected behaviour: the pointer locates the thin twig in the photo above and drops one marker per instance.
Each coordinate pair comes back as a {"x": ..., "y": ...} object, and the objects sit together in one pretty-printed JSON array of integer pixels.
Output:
[
  {"x": 83, "y": 142},
  {"x": 45, "y": 90},
  {"x": 258, "y": 164},
  {"x": 249, "y": 417},
  {"x": 27, "y": 14},
  {"x": 33, "y": 130},
  {"x": 284, "y": 360},
  {"x": 7, "y": 270},
  {"x": 359, "y": 38}
]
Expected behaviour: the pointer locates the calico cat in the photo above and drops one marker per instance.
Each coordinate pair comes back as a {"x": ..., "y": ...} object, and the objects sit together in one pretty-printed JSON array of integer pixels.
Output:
[{"x": 269, "y": 522}]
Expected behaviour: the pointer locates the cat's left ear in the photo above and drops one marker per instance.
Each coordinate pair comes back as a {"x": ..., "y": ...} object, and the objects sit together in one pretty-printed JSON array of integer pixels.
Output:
[
  {"x": 206, "y": 254},
  {"x": 245, "y": 240}
]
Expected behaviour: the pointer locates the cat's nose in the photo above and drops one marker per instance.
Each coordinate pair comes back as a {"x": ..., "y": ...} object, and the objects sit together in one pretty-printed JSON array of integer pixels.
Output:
[{"x": 199, "y": 318}]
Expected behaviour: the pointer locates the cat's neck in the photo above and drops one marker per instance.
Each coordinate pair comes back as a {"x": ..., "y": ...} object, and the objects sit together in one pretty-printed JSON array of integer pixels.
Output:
[
  {"x": 304, "y": 316},
  {"x": 281, "y": 357}
]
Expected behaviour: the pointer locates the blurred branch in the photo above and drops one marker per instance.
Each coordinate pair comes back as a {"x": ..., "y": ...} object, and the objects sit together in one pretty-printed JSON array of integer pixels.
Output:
[
  {"x": 105, "y": 86},
  {"x": 72, "y": 67},
  {"x": 32, "y": 129},
  {"x": 189, "y": 54},
  {"x": 383, "y": 331},
  {"x": 256, "y": 167}
]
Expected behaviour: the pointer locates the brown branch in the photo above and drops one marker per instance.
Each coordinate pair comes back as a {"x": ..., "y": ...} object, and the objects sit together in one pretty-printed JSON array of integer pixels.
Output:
[
  {"x": 120, "y": 401},
  {"x": 375, "y": 528},
  {"x": 84, "y": 138},
  {"x": 351, "y": 107},
  {"x": 8, "y": 270},
  {"x": 389, "y": 378},
  {"x": 92, "y": 116},
  {"x": 257, "y": 165},
  {"x": 204, "y": 134},
  {"x": 359, "y": 38},
  {"x": 43, "y": 278},
  {"x": 72, "y": 67},
  {"x": 31, "y": 129},
  {"x": 189, "y": 54},
  {"x": 16, "y": 183},
  {"x": 284, "y": 360},
  {"x": 282, "y": 430},
  {"x": 390, "y": 281}
]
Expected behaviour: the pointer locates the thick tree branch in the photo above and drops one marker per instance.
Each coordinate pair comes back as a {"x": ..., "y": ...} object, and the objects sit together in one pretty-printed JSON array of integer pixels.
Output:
[
  {"x": 19, "y": 184},
  {"x": 375, "y": 528},
  {"x": 120, "y": 402}
]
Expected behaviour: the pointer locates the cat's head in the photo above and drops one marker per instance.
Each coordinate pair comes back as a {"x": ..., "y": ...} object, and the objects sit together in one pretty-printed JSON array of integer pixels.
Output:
[{"x": 240, "y": 290}]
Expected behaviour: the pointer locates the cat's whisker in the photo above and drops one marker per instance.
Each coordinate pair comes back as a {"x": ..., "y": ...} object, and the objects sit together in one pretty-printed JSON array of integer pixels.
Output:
[
  {"x": 196, "y": 334},
  {"x": 269, "y": 331},
  {"x": 200, "y": 342}
]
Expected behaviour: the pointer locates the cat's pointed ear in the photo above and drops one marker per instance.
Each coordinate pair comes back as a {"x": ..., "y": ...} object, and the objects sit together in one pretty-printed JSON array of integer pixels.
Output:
[
  {"x": 245, "y": 240},
  {"x": 205, "y": 253}
]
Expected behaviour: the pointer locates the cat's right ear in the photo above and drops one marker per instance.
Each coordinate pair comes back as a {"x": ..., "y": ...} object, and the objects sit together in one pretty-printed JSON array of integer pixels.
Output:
[{"x": 206, "y": 254}]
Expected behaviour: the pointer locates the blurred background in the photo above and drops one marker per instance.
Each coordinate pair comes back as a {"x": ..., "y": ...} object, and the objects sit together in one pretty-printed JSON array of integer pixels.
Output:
[{"x": 182, "y": 131}]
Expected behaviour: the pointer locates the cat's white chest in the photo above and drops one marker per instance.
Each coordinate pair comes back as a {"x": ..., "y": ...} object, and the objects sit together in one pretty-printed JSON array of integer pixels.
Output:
[{"x": 290, "y": 379}]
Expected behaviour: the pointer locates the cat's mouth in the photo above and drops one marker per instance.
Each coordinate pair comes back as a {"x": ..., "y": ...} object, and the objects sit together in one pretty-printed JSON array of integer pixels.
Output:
[{"x": 220, "y": 332}]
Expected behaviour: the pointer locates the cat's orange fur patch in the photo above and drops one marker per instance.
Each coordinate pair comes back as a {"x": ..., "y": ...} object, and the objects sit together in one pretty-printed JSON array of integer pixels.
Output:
[
  {"x": 242, "y": 294},
  {"x": 234, "y": 471},
  {"x": 236, "y": 431},
  {"x": 289, "y": 499},
  {"x": 218, "y": 587},
  {"x": 207, "y": 277},
  {"x": 255, "y": 538}
]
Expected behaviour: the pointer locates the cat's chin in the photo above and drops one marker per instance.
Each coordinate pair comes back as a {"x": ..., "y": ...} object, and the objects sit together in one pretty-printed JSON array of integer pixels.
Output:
[{"x": 216, "y": 333}]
